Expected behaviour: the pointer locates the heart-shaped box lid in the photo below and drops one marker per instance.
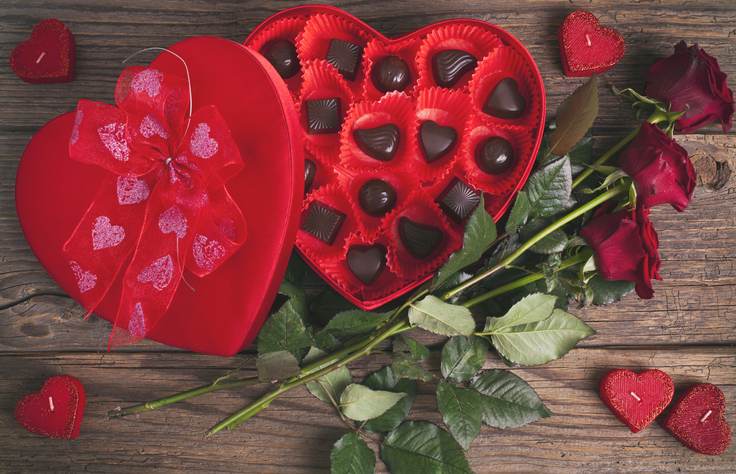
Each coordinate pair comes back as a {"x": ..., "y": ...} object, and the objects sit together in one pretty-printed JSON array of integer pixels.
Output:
[{"x": 220, "y": 313}]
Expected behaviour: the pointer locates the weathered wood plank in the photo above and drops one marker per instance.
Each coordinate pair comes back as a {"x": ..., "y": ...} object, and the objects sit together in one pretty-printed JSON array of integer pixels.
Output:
[{"x": 295, "y": 434}]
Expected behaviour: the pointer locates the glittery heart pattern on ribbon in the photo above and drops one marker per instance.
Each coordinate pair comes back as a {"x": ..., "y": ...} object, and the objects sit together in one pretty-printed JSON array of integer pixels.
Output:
[{"x": 164, "y": 206}]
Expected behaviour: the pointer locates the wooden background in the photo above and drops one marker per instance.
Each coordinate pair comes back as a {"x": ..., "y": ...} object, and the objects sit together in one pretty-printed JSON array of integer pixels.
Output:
[{"x": 688, "y": 329}]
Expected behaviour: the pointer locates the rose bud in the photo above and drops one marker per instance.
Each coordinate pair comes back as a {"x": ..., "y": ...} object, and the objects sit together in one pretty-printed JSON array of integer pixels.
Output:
[
  {"x": 660, "y": 168},
  {"x": 626, "y": 248},
  {"x": 691, "y": 81}
]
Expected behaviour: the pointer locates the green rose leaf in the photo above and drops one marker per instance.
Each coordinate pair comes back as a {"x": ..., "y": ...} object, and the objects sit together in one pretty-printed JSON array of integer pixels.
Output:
[
  {"x": 285, "y": 331},
  {"x": 406, "y": 367},
  {"x": 361, "y": 403},
  {"x": 462, "y": 357},
  {"x": 550, "y": 187},
  {"x": 422, "y": 447},
  {"x": 542, "y": 341},
  {"x": 330, "y": 386},
  {"x": 386, "y": 379},
  {"x": 277, "y": 365},
  {"x": 353, "y": 323},
  {"x": 461, "y": 411},
  {"x": 507, "y": 400},
  {"x": 480, "y": 233},
  {"x": 351, "y": 455},
  {"x": 581, "y": 154},
  {"x": 574, "y": 117},
  {"x": 519, "y": 213},
  {"x": 607, "y": 292},
  {"x": 554, "y": 242},
  {"x": 410, "y": 346},
  {"x": 296, "y": 296},
  {"x": 530, "y": 309},
  {"x": 434, "y": 315}
]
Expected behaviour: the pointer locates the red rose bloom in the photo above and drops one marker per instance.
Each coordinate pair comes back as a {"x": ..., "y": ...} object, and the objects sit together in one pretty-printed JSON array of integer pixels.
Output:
[
  {"x": 660, "y": 169},
  {"x": 626, "y": 248},
  {"x": 692, "y": 82}
]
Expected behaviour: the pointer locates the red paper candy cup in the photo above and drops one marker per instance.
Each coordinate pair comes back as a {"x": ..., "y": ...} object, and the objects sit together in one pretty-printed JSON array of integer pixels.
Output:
[
  {"x": 504, "y": 63},
  {"x": 469, "y": 38},
  {"x": 316, "y": 249},
  {"x": 378, "y": 49},
  {"x": 324, "y": 174},
  {"x": 288, "y": 29},
  {"x": 395, "y": 108}
]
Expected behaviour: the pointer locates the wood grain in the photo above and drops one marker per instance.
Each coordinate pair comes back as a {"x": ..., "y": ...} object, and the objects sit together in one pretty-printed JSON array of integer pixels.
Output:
[{"x": 688, "y": 329}]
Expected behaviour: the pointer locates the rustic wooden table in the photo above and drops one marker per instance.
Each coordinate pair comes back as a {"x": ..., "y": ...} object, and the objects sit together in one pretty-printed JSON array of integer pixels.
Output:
[{"x": 688, "y": 329}]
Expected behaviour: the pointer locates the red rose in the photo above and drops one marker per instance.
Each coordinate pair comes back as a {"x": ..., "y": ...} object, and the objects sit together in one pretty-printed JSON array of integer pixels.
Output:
[
  {"x": 691, "y": 82},
  {"x": 660, "y": 169},
  {"x": 626, "y": 248}
]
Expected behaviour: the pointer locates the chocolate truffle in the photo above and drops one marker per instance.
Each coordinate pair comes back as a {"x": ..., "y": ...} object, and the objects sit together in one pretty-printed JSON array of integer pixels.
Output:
[
  {"x": 310, "y": 169},
  {"x": 381, "y": 142},
  {"x": 421, "y": 240},
  {"x": 345, "y": 56},
  {"x": 281, "y": 54},
  {"x": 366, "y": 262},
  {"x": 494, "y": 155},
  {"x": 505, "y": 101},
  {"x": 458, "y": 200},
  {"x": 436, "y": 140},
  {"x": 323, "y": 222},
  {"x": 324, "y": 116},
  {"x": 391, "y": 73},
  {"x": 450, "y": 65},
  {"x": 376, "y": 197}
]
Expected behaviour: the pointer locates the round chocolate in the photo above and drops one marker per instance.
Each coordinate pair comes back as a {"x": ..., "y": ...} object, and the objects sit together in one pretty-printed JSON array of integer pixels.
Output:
[
  {"x": 391, "y": 74},
  {"x": 494, "y": 155},
  {"x": 281, "y": 54},
  {"x": 376, "y": 197},
  {"x": 310, "y": 169}
]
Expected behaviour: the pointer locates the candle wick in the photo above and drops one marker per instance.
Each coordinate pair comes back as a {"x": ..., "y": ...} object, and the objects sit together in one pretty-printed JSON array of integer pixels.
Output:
[
  {"x": 40, "y": 57},
  {"x": 587, "y": 40},
  {"x": 635, "y": 396},
  {"x": 705, "y": 417},
  {"x": 51, "y": 403}
]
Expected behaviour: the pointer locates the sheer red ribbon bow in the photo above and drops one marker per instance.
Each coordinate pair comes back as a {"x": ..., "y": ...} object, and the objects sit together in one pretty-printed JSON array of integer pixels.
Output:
[{"x": 164, "y": 202}]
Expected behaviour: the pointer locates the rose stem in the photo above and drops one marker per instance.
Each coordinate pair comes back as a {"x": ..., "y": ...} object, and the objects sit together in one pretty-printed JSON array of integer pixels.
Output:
[
  {"x": 179, "y": 397},
  {"x": 371, "y": 342},
  {"x": 605, "y": 157}
]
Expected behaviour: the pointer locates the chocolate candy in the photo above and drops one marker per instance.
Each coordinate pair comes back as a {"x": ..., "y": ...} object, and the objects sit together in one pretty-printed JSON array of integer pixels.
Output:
[
  {"x": 281, "y": 54},
  {"x": 458, "y": 200},
  {"x": 421, "y": 240},
  {"x": 436, "y": 140},
  {"x": 323, "y": 222},
  {"x": 345, "y": 56},
  {"x": 381, "y": 142},
  {"x": 450, "y": 65},
  {"x": 391, "y": 74},
  {"x": 494, "y": 155},
  {"x": 366, "y": 262},
  {"x": 324, "y": 116},
  {"x": 310, "y": 169},
  {"x": 505, "y": 101},
  {"x": 376, "y": 197}
]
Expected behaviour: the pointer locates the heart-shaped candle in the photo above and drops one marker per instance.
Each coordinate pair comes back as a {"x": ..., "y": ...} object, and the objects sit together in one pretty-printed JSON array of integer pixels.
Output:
[
  {"x": 56, "y": 411},
  {"x": 391, "y": 128},
  {"x": 586, "y": 47},
  {"x": 636, "y": 399},
  {"x": 47, "y": 56},
  {"x": 698, "y": 420}
]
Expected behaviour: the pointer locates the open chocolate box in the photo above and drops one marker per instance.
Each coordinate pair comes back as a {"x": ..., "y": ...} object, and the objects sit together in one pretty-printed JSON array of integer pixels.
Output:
[{"x": 402, "y": 136}]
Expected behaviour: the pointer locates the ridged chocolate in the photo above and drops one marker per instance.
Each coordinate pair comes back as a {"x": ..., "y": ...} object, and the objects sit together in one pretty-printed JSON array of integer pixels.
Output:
[
  {"x": 450, "y": 65},
  {"x": 420, "y": 240},
  {"x": 381, "y": 142},
  {"x": 376, "y": 197},
  {"x": 281, "y": 54},
  {"x": 436, "y": 140},
  {"x": 494, "y": 155},
  {"x": 322, "y": 222},
  {"x": 458, "y": 200},
  {"x": 345, "y": 56},
  {"x": 391, "y": 73},
  {"x": 505, "y": 101},
  {"x": 324, "y": 116},
  {"x": 310, "y": 169},
  {"x": 366, "y": 262}
]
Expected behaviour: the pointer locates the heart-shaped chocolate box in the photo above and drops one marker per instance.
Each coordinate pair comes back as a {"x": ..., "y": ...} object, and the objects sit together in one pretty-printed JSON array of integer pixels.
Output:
[{"x": 355, "y": 134}]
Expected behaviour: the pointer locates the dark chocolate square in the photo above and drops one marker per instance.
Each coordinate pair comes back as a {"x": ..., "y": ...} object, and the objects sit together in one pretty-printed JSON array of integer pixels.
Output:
[
  {"x": 345, "y": 56},
  {"x": 324, "y": 116},
  {"x": 458, "y": 200},
  {"x": 322, "y": 222}
]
